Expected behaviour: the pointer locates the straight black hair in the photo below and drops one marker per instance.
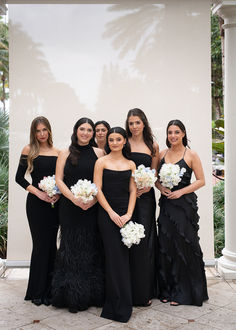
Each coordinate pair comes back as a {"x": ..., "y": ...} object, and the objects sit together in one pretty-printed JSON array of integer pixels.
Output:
[{"x": 126, "y": 151}]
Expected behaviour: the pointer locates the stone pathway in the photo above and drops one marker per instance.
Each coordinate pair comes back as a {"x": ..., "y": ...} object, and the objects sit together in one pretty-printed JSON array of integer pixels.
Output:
[{"x": 218, "y": 313}]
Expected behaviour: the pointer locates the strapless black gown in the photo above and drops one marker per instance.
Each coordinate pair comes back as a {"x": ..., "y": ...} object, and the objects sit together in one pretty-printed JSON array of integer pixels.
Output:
[
  {"x": 143, "y": 257},
  {"x": 118, "y": 296},
  {"x": 78, "y": 281},
  {"x": 181, "y": 268},
  {"x": 43, "y": 222}
]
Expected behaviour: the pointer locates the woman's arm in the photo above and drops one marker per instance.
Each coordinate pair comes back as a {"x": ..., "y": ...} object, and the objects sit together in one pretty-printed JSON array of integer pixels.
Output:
[
  {"x": 132, "y": 197},
  {"x": 98, "y": 175},
  {"x": 154, "y": 165},
  {"x": 196, "y": 165},
  {"x": 163, "y": 190},
  {"x": 155, "y": 158},
  {"x": 61, "y": 161},
  {"x": 20, "y": 178}
]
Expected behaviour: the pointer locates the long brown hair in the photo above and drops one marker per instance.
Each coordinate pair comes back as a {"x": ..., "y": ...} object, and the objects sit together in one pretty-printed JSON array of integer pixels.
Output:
[
  {"x": 148, "y": 136},
  {"x": 34, "y": 143}
]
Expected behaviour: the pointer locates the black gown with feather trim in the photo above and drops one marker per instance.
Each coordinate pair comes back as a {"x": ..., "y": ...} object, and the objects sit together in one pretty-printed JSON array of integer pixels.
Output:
[
  {"x": 78, "y": 281},
  {"x": 181, "y": 268}
]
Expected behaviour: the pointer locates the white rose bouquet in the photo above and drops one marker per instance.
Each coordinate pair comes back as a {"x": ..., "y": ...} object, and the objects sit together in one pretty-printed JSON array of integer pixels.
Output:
[
  {"x": 84, "y": 189},
  {"x": 131, "y": 233},
  {"x": 171, "y": 174},
  {"x": 144, "y": 177},
  {"x": 48, "y": 184}
]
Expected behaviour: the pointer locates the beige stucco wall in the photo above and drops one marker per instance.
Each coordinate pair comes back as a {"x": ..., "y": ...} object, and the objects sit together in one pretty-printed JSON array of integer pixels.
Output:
[{"x": 100, "y": 60}]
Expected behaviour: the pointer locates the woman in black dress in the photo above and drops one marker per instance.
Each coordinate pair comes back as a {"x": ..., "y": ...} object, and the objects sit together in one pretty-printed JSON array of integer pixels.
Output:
[
  {"x": 143, "y": 257},
  {"x": 117, "y": 196},
  {"x": 79, "y": 276},
  {"x": 39, "y": 160},
  {"x": 181, "y": 268},
  {"x": 101, "y": 129}
]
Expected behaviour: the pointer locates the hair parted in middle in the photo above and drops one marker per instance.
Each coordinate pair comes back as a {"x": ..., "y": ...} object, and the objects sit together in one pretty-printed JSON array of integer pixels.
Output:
[
  {"x": 126, "y": 151},
  {"x": 148, "y": 136},
  {"x": 73, "y": 148},
  {"x": 34, "y": 143}
]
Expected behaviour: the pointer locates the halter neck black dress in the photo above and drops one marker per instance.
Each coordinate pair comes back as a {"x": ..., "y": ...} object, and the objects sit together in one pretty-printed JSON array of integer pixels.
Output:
[
  {"x": 181, "y": 268},
  {"x": 78, "y": 281},
  {"x": 143, "y": 257},
  {"x": 118, "y": 294},
  {"x": 43, "y": 222}
]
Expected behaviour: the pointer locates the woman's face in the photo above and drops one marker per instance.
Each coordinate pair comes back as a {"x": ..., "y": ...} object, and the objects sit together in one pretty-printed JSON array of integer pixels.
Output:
[
  {"x": 84, "y": 134},
  {"x": 136, "y": 125},
  {"x": 101, "y": 132},
  {"x": 42, "y": 133},
  {"x": 116, "y": 141},
  {"x": 175, "y": 135}
]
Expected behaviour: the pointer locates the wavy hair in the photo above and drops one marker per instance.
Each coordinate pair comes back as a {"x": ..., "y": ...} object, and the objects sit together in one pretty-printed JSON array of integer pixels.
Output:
[
  {"x": 73, "y": 148},
  {"x": 148, "y": 136},
  {"x": 178, "y": 123},
  {"x": 34, "y": 143},
  {"x": 126, "y": 151}
]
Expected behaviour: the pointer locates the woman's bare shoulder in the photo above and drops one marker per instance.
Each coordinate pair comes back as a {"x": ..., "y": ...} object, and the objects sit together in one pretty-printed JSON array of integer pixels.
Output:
[{"x": 26, "y": 150}]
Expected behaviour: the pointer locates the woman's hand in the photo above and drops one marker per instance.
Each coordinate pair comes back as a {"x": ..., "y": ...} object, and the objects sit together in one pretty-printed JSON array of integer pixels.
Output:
[
  {"x": 84, "y": 206},
  {"x": 175, "y": 194},
  {"x": 55, "y": 198},
  {"x": 125, "y": 218},
  {"x": 44, "y": 196},
  {"x": 164, "y": 191},
  {"x": 116, "y": 218},
  {"x": 143, "y": 191}
]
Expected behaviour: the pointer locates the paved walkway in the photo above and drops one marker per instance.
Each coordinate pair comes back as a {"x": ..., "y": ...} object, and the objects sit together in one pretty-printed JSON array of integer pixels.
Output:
[{"x": 218, "y": 313}]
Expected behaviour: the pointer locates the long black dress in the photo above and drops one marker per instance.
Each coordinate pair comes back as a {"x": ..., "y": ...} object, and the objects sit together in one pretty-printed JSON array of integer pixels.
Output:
[
  {"x": 181, "y": 268},
  {"x": 78, "y": 281},
  {"x": 143, "y": 257},
  {"x": 118, "y": 301},
  {"x": 43, "y": 223}
]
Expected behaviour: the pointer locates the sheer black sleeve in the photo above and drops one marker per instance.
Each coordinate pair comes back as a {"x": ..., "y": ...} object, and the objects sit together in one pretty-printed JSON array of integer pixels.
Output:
[{"x": 20, "y": 174}]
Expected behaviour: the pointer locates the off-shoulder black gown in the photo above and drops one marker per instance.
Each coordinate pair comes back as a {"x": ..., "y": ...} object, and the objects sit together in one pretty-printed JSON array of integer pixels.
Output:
[
  {"x": 118, "y": 294},
  {"x": 143, "y": 257},
  {"x": 181, "y": 268},
  {"x": 78, "y": 281},
  {"x": 43, "y": 223}
]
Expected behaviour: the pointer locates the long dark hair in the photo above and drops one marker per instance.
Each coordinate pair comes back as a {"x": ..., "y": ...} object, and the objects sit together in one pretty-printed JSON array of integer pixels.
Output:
[
  {"x": 148, "y": 136},
  {"x": 73, "y": 148},
  {"x": 178, "y": 123},
  {"x": 100, "y": 122},
  {"x": 126, "y": 149}
]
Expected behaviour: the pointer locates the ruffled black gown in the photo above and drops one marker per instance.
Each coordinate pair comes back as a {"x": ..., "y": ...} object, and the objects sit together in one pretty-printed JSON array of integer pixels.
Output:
[
  {"x": 118, "y": 301},
  {"x": 43, "y": 222},
  {"x": 143, "y": 257},
  {"x": 181, "y": 268},
  {"x": 78, "y": 281}
]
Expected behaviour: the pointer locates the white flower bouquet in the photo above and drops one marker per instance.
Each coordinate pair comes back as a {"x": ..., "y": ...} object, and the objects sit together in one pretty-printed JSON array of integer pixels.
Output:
[
  {"x": 48, "y": 184},
  {"x": 171, "y": 174},
  {"x": 131, "y": 233},
  {"x": 84, "y": 189},
  {"x": 144, "y": 177}
]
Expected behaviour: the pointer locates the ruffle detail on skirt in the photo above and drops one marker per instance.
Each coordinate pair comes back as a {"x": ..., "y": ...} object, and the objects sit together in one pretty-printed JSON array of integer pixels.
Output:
[
  {"x": 181, "y": 268},
  {"x": 78, "y": 281}
]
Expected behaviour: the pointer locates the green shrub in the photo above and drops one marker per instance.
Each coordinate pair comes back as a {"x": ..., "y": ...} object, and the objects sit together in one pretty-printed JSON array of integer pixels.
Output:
[
  {"x": 219, "y": 217},
  {"x": 3, "y": 182}
]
